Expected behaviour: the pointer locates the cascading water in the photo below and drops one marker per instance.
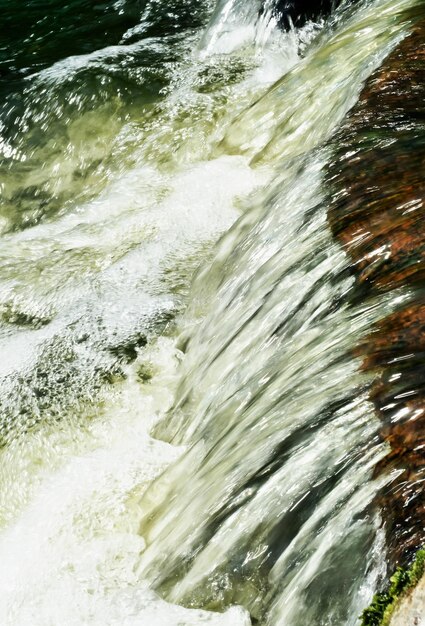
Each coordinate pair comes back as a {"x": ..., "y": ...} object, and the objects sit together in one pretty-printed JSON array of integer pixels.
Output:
[{"x": 211, "y": 439}]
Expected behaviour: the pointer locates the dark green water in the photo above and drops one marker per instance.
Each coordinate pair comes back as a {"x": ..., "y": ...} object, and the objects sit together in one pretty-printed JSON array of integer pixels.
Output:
[
  {"x": 34, "y": 34},
  {"x": 48, "y": 80}
]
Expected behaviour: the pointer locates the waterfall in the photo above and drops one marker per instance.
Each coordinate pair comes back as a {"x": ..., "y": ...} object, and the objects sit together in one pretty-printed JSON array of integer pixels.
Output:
[{"x": 187, "y": 435}]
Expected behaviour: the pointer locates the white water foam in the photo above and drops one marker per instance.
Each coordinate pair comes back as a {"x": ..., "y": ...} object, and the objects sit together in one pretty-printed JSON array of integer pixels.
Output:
[{"x": 70, "y": 557}]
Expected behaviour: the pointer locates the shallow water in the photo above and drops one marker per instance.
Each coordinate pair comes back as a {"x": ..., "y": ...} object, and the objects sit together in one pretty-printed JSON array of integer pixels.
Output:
[{"x": 207, "y": 437}]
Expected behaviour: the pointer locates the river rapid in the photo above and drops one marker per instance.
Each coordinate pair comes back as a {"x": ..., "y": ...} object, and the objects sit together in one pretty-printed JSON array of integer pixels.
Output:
[{"x": 186, "y": 433}]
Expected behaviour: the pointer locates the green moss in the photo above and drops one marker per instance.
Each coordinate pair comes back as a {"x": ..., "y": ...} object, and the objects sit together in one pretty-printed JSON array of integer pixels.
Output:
[{"x": 383, "y": 604}]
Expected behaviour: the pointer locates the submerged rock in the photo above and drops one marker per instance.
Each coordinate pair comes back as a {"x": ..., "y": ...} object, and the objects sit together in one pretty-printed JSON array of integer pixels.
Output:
[{"x": 298, "y": 12}]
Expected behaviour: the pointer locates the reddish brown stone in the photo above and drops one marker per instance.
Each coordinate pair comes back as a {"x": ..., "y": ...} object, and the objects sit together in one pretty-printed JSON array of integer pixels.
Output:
[{"x": 378, "y": 214}]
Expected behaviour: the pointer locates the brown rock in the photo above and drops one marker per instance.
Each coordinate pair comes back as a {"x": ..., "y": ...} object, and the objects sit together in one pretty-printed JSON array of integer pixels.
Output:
[{"x": 378, "y": 215}]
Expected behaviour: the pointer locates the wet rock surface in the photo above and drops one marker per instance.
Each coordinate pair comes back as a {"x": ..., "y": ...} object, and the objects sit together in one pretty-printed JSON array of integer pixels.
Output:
[
  {"x": 378, "y": 215},
  {"x": 411, "y": 610}
]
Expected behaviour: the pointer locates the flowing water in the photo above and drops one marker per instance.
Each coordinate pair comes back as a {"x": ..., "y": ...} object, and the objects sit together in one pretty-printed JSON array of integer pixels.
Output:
[{"x": 186, "y": 434}]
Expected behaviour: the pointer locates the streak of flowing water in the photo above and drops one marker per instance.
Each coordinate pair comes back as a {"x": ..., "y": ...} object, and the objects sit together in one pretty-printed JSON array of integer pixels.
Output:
[{"x": 230, "y": 466}]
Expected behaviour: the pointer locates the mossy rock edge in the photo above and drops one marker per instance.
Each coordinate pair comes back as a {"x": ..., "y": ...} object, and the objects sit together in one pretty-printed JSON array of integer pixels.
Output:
[{"x": 382, "y": 607}]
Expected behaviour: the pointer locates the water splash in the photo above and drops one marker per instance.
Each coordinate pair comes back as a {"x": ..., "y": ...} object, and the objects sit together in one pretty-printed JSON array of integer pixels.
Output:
[
  {"x": 124, "y": 165},
  {"x": 271, "y": 365}
]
